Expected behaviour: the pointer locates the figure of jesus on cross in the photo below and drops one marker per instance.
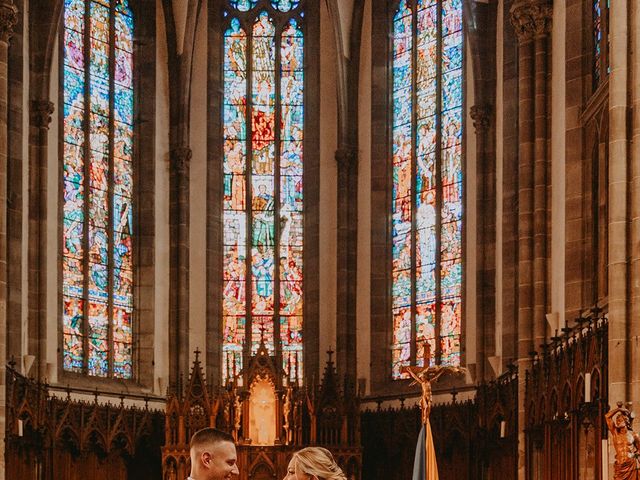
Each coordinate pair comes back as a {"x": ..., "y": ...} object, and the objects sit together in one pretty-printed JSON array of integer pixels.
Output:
[{"x": 425, "y": 465}]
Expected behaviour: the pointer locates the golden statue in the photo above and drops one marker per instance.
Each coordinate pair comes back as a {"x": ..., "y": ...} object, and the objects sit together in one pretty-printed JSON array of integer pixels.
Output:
[
  {"x": 425, "y": 376},
  {"x": 286, "y": 407},
  {"x": 626, "y": 443},
  {"x": 237, "y": 415}
]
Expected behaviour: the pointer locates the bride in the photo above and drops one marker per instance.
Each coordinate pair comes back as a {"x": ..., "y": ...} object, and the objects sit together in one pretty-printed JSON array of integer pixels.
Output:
[{"x": 314, "y": 463}]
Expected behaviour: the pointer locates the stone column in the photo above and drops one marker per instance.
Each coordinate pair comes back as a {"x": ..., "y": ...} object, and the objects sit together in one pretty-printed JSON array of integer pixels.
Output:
[
  {"x": 180, "y": 159},
  {"x": 347, "y": 159},
  {"x": 8, "y": 19},
  {"x": 619, "y": 247},
  {"x": 531, "y": 21},
  {"x": 542, "y": 28},
  {"x": 634, "y": 16},
  {"x": 486, "y": 221},
  {"x": 525, "y": 213},
  {"x": 40, "y": 118}
]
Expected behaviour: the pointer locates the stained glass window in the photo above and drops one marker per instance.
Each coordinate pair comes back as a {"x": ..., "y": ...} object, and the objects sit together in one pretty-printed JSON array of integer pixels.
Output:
[
  {"x": 600, "y": 29},
  {"x": 597, "y": 40},
  {"x": 263, "y": 125},
  {"x": 97, "y": 263},
  {"x": 427, "y": 98}
]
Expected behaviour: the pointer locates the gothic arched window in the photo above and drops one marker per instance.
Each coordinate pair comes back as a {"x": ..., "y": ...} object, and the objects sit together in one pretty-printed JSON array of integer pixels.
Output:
[
  {"x": 263, "y": 125},
  {"x": 97, "y": 203},
  {"x": 427, "y": 198}
]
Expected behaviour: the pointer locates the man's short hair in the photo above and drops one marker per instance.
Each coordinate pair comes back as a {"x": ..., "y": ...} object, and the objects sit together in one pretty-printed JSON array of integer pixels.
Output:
[{"x": 209, "y": 436}]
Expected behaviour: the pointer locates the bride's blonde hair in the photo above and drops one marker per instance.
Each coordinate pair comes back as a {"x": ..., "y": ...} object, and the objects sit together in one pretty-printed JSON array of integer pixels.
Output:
[{"x": 318, "y": 462}]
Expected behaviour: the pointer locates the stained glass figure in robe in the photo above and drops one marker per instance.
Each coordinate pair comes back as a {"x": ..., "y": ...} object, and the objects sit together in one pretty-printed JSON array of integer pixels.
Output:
[
  {"x": 263, "y": 187},
  {"x": 97, "y": 92},
  {"x": 427, "y": 93}
]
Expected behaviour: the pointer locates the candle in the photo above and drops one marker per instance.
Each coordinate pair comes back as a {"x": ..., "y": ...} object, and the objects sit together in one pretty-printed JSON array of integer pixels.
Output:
[
  {"x": 587, "y": 387},
  {"x": 20, "y": 428},
  {"x": 503, "y": 429}
]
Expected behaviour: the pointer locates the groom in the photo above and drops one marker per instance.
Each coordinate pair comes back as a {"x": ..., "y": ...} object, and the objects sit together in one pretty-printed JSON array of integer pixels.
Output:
[{"x": 213, "y": 455}]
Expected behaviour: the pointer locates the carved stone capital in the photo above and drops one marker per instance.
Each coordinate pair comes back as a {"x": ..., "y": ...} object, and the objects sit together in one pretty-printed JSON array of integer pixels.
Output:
[
  {"x": 181, "y": 159},
  {"x": 41, "y": 111},
  {"x": 8, "y": 19},
  {"x": 346, "y": 157},
  {"x": 531, "y": 19},
  {"x": 481, "y": 116}
]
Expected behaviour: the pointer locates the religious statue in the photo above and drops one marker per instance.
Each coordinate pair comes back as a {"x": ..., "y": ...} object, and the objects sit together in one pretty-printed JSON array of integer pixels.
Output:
[
  {"x": 626, "y": 443},
  {"x": 286, "y": 411},
  {"x": 425, "y": 376},
  {"x": 237, "y": 411},
  {"x": 425, "y": 465}
]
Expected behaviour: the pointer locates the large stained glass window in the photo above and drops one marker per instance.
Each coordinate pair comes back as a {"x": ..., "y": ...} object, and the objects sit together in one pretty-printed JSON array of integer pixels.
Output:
[
  {"x": 263, "y": 125},
  {"x": 427, "y": 98},
  {"x": 97, "y": 264}
]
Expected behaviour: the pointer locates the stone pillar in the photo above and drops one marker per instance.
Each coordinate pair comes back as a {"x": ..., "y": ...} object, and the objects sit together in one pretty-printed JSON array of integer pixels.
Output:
[
  {"x": 486, "y": 221},
  {"x": 531, "y": 20},
  {"x": 541, "y": 174},
  {"x": 40, "y": 118},
  {"x": 347, "y": 159},
  {"x": 524, "y": 322},
  {"x": 619, "y": 247},
  {"x": 8, "y": 19},
  {"x": 634, "y": 16},
  {"x": 180, "y": 159}
]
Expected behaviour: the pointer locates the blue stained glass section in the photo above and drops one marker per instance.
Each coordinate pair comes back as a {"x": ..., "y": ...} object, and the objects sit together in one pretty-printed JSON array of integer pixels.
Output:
[{"x": 243, "y": 5}]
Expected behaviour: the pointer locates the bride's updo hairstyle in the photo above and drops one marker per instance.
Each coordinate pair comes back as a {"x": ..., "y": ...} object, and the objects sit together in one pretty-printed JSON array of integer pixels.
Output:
[{"x": 317, "y": 462}]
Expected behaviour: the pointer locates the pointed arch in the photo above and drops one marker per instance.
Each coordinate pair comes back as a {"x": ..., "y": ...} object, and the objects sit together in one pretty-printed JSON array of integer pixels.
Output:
[
  {"x": 269, "y": 226},
  {"x": 106, "y": 173}
]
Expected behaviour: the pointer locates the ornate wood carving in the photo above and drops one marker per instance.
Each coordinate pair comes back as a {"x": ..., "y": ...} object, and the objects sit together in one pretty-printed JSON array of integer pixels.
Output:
[
  {"x": 311, "y": 415},
  {"x": 565, "y": 429},
  {"x": 66, "y": 438},
  {"x": 8, "y": 19}
]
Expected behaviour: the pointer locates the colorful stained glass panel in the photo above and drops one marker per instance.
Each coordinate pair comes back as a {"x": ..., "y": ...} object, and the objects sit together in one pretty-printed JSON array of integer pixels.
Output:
[
  {"x": 107, "y": 263},
  {"x": 262, "y": 332},
  {"x": 292, "y": 348},
  {"x": 243, "y": 5},
  {"x": 427, "y": 196},
  {"x": 263, "y": 199},
  {"x": 233, "y": 329},
  {"x": 284, "y": 5}
]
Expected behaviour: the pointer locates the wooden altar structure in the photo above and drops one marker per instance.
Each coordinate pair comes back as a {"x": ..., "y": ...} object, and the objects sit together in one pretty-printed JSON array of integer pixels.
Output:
[{"x": 269, "y": 419}]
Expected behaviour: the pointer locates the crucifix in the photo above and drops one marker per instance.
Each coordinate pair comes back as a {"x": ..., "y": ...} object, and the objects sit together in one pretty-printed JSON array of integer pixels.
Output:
[
  {"x": 425, "y": 465},
  {"x": 427, "y": 375}
]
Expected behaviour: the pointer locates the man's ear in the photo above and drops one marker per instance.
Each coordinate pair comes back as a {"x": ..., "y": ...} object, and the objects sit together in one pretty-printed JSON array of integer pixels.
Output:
[{"x": 205, "y": 458}]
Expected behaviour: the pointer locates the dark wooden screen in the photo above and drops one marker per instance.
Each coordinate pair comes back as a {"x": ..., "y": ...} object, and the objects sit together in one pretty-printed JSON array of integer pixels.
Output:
[
  {"x": 468, "y": 438},
  {"x": 565, "y": 430},
  {"x": 60, "y": 438}
]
